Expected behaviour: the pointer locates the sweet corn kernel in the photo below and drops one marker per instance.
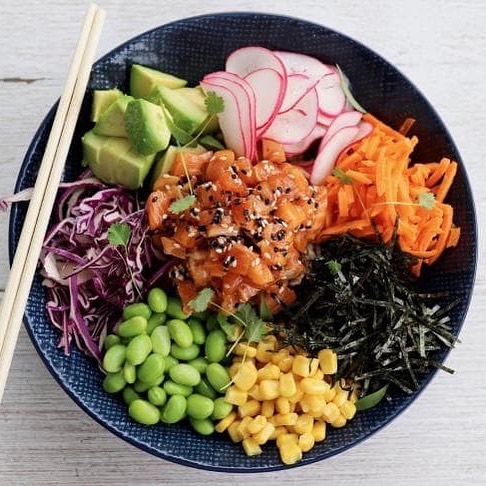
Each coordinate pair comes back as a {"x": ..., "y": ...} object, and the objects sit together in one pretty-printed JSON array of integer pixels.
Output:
[
  {"x": 234, "y": 368},
  {"x": 330, "y": 412},
  {"x": 256, "y": 424},
  {"x": 306, "y": 442},
  {"x": 285, "y": 419},
  {"x": 250, "y": 447},
  {"x": 301, "y": 366},
  {"x": 235, "y": 396},
  {"x": 249, "y": 408},
  {"x": 329, "y": 394},
  {"x": 286, "y": 439},
  {"x": 314, "y": 403},
  {"x": 292, "y": 406},
  {"x": 246, "y": 376},
  {"x": 341, "y": 395},
  {"x": 353, "y": 396},
  {"x": 313, "y": 366},
  {"x": 264, "y": 351},
  {"x": 285, "y": 364},
  {"x": 242, "y": 427},
  {"x": 271, "y": 340},
  {"x": 242, "y": 349},
  {"x": 269, "y": 389},
  {"x": 279, "y": 355},
  {"x": 255, "y": 393},
  {"x": 319, "y": 431},
  {"x": 223, "y": 424},
  {"x": 328, "y": 361},
  {"x": 339, "y": 421},
  {"x": 297, "y": 396},
  {"x": 233, "y": 432},
  {"x": 304, "y": 424},
  {"x": 290, "y": 453},
  {"x": 312, "y": 386},
  {"x": 268, "y": 408},
  {"x": 318, "y": 375},
  {"x": 282, "y": 405},
  {"x": 348, "y": 409},
  {"x": 287, "y": 386},
  {"x": 278, "y": 431},
  {"x": 264, "y": 435},
  {"x": 269, "y": 372}
]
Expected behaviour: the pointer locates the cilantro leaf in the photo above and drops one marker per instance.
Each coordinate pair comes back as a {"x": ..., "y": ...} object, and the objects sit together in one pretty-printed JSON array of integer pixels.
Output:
[
  {"x": 214, "y": 103},
  {"x": 342, "y": 176},
  {"x": 119, "y": 234},
  {"x": 334, "y": 266},
  {"x": 255, "y": 330},
  {"x": 231, "y": 330},
  {"x": 182, "y": 204},
  {"x": 426, "y": 200},
  {"x": 245, "y": 313},
  {"x": 201, "y": 301}
]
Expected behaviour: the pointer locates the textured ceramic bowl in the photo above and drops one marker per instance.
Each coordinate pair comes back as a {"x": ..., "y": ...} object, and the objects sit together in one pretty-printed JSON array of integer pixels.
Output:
[{"x": 191, "y": 48}]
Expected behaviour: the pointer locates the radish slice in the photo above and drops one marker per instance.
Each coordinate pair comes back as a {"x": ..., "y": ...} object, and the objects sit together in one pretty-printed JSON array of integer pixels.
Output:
[
  {"x": 328, "y": 155},
  {"x": 248, "y": 59},
  {"x": 298, "y": 85},
  {"x": 324, "y": 119},
  {"x": 269, "y": 89},
  {"x": 347, "y": 119},
  {"x": 301, "y": 64},
  {"x": 294, "y": 125},
  {"x": 365, "y": 129},
  {"x": 332, "y": 100},
  {"x": 300, "y": 147}
]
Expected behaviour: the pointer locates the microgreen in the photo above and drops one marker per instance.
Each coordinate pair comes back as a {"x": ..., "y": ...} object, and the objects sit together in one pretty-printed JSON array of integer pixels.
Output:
[
  {"x": 182, "y": 204},
  {"x": 119, "y": 234},
  {"x": 201, "y": 302},
  {"x": 214, "y": 103},
  {"x": 342, "y": 176},
  {"x": 334, "y": 266},
  {"x": 426, "y": 200}
]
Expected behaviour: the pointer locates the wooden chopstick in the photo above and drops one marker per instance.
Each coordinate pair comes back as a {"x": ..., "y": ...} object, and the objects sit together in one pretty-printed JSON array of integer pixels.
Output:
[{"x": 45, "y": 190}]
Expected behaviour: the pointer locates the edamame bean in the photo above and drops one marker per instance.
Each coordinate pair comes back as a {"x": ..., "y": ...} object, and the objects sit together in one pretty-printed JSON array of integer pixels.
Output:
[
  {"x": 129, "y": 372},
  {"x": 170, "y": 361},
  {"x": 202, "y": 426},
  {"x": 138, "y": 349},
  {"x": 199, "y": 406},
  {"x": 198, "y": 330},
  {"x": 218, "y": 377},
  {"x": 114, "y": 358},
  {"x": 144, "y": 412},
  {"x": 142, "y": 386},
  {"x": 161, "y": 340},
  {"x": 137, "y": 309},
  {"x": 114, "y": 382},
  {"x": 200, "y": 364},
  {"x": 173, "y": 388},
  {"x": 129, "y": 395},
  {"x": 155, "y": 321},
  {"x": 221, "y": 409},
  {"x": 215, "y": 348},
  {"x": 174, "y": 410},
  {"x": 132, "y": 327},
  {"x": 174, "y": 308},
  {"x": 185, "y": 374},
  {"x": 204, "y": 388},
  {"x": 212, "y": 323},
  {"x": 110, "y": 341},
  {"x": 184, "y": 354},
  {"x": 152, "y": 368},
  {"x": 180, "y": 332},
  {"x": 157, "y": 300},
  {"x": 157, "y": 396}
]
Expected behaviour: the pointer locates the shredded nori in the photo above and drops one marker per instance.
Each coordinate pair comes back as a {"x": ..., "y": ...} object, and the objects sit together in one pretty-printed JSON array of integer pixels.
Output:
[{"x": 360, "y": 299}]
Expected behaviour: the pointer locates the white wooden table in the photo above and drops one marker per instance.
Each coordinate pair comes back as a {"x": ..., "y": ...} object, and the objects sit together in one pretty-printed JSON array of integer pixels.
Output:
[{"x": 441, "y": 439}]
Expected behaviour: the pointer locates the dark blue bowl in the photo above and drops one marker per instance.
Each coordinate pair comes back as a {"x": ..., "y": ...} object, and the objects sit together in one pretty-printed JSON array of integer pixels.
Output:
[{"x": 191, "y": 48}]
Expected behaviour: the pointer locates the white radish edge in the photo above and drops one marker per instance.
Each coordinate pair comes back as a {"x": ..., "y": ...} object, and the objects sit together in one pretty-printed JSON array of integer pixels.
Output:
[
  {"x": 298, "y": 85},
  {"x": 332, "y": 100},
  {"x": 346, "y": 119},
  {"x": 296, "y": 63},
  {"x": 299, "y": 148},
  {"x": 245, "y": 60}
]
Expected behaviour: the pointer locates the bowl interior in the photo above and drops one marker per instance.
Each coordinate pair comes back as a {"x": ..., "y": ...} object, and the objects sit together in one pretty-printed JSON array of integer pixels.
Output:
[{"x": 191, "y": 48}]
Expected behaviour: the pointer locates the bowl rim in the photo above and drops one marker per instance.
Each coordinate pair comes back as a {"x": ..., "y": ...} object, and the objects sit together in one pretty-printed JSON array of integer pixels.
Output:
[{"x": 47, "y": 121}]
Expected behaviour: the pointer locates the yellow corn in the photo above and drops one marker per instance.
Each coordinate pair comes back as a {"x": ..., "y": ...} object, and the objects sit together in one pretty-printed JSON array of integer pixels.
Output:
[
  {"x": 242, "y": 427},
  {"x": 318, "y": 375},
  {"x": 328, "y": 361},
  {"x": 286, "y": 439},
  {"x": 249, "y": 408},
  {"x": 269, "y": 372},
  {"x": 250, "y": 447},
  {"x": 313, "y": 366},
  {"x": 306, "y": 442},
  {"x": 235, "y": 396},
  {"x": 256, "y": 424},
  {"x": 348, "y": 409},
  {"x": 268, "y": 408},
  {"x": 246, "y": 376},
  {"x": 264, "y": 435},
  {"x": 285, "y": 364},
  {"x": 290, "y": 453},
  {"x": 234, "y": 368},
  {"x": 330, "y": 412},
  {"x": 287, "y": 386},
  {"x": 312, "y": 386},
  {"x": 233, "y": 432},
  {"x": 319, "y": 431},
  {"x": 341, "y": 395},
  {"x": 279, "y": 355},
  {"x": 282, "y": 404},
  {"x": 329, "y": 394},
  {"x": 339, "y": 421},
  {"x": 223, "y": 424},
  {"x": 242, "y": 349},
  {"x": 278, "y": 431},
  {"x": 268, "y": 389},
  {"x": 297, "y": 396},
  {"x": 304, "y": 424},
  {"x": 285, "y": 419},
  {"x": 264, "y": 351},
  {"x": 292, "y": 406},
  {"x": 254, "y": 392},
  {"x": 301, "y": 366}
]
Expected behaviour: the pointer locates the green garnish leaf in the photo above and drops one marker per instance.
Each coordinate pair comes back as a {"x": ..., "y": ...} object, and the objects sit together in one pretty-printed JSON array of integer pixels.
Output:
[
  {"x": 334, "y": 266},
  {"x": 209, "y": 142},
  {"x": 214, "y": 103},
  {"x": 255, "y": 330},
  {"x": 201, "y": 301},
  {"x": 265, "y": 312},
  {"x": 231, "y": 330},
  {"x": 342, "y": 176},
  {"x": 371, "y": 400},
  {"x": 182, "y": 204},
  {"x": 347, "y": 92},
  {"x": 119, "y": 234},
  {"x": 426, "y": 200}
]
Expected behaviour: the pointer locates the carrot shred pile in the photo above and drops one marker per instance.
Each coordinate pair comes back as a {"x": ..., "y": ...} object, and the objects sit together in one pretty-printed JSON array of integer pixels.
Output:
[{"x": 376, "y": 188}]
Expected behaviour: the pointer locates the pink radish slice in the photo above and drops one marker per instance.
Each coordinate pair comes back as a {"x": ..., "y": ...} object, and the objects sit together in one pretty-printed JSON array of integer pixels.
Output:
[
  {"x": 248, "y": 59},
  {"x": 298, "y": 85},
  {"x": 269, "y": 89},
  {"x": 347, "y": 119},
  {"x": 301, "y": 64},
  {"x": 294, "y": 125},
  {"x": 327, "y": 156},
  {"x": 365, "y": 129},
  {"x": 300, "y": 147},
  {"x": 332, "y": 99},
  {"x": 324, "y": 119}
]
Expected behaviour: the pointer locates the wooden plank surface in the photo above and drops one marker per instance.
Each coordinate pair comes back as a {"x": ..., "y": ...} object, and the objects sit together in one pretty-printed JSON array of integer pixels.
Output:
[{"x": 441, "y": 439}]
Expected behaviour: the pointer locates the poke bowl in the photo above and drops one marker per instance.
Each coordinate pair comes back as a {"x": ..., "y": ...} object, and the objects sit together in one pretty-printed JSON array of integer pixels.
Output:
[{"x": 190, "y": 49}]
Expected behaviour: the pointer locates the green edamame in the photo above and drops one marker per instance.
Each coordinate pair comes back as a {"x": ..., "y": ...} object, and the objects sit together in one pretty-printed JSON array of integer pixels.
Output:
[
  {"x": 129, "y": 372},
  {"x": 129, "y": 395},
  {"x": 199, "y": 406},
  {"x": 157, "y": 396},
  {"x": 161, "y": 340},
  {"x": 198, "y": 330},
  {"x": 204, "y": 388},
  {"x": 218, "y": 377},
  {"x": 110, "y": 341},
  {"x": 185, "y": 374},
  {"x": 174, "y": 308},
  {"x": 137, "y": 309},
  {"x": 142, "y": 386},
  {"x": 155, "y": 321},
  {"x": 221, "y": 409},
  {"x": 184, "y": 354},
  {"x": 202, "y": 426},
  {"x": 200, "y": 363},
  {"x": 173, "y": 388},
  {"x": 174, "y": 410},
  {"x": 114, "y": 382},
  {"x": 132, "y": 327},
  {"x": 180, "y": 332},
  {"x": 114, "y": 358},
  {"x": 157, "y": 300},
  {"x": 144, "y": 412},
  {"x": 138, "y": 349},
  {"x": 152, "y": 368},
  {"x": 170, "y": 361},
  {"x": 215, "y": 347}
]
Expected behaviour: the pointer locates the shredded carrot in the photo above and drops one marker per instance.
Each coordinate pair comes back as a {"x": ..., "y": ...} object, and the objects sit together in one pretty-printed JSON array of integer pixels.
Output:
[
  {"x": 406, "y": 125},
  {"x": 384, "y": 195}
]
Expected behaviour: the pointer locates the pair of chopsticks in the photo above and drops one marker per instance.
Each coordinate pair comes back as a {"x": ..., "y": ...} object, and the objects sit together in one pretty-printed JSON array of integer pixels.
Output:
[{"x": 45, "y": 190}]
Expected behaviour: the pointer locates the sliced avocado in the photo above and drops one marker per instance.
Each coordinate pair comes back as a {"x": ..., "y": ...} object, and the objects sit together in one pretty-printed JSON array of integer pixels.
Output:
[
  {"x": 143, "y": 80},
  {"x": 197, "y": 96},
  {"x": 92, "y": 144},
  {"x": 181, "y": 136},
  {"x": 146, "y": 127},
  {"x": 112, "y": 121},
  {"x": 109, "y": 157},
  {"x": 102, "y": 99},
  {"x": 133, "y": 168},
  {"x": 186, "y": 114}
]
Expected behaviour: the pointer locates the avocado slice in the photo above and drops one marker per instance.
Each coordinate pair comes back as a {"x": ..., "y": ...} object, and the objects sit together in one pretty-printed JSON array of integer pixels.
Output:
[
  {"x": 112, "y": 120},
  {"x": 102, "y": 99},
  {"x": 146, "y": 127},
  {"x": 143, "y": 80},
  {"x": 92, "y": 144},
  {"x": 197, "y": 96}
]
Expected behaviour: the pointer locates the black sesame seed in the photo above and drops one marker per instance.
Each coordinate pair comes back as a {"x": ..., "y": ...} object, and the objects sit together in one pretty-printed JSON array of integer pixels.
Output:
[{"x": 244, "y": 171}]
